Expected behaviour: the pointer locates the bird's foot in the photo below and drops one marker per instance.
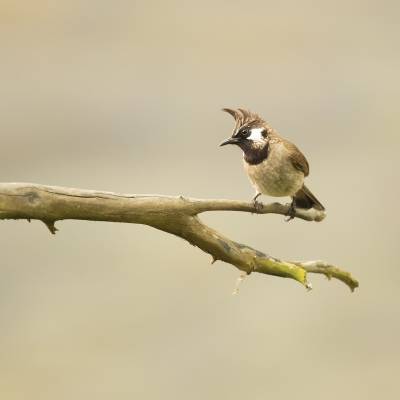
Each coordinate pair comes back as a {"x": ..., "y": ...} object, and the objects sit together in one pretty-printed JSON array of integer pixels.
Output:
[
  {"x": 291, "y": 212},
  {"x": 258, "y": 206}
]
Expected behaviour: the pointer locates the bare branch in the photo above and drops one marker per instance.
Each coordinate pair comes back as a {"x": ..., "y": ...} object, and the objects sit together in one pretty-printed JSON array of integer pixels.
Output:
[
  {"x": 175, "y": 215},
  {"x": 330, "y": 271}
]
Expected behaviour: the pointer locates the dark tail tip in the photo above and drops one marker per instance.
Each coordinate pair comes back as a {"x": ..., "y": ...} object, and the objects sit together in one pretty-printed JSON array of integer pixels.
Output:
[{"x": 305, "y": 199}]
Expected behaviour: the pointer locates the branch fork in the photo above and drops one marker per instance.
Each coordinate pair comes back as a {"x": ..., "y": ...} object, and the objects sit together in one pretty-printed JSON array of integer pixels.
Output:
[{"x": 174, "y": 215}]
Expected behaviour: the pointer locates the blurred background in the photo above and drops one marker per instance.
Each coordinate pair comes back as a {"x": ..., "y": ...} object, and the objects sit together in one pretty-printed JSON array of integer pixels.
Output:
[{"x": 125, "y": 96}]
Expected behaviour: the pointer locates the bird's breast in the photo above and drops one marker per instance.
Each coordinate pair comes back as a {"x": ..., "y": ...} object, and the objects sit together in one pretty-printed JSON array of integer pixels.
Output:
[{"x": 276, "y": 175}]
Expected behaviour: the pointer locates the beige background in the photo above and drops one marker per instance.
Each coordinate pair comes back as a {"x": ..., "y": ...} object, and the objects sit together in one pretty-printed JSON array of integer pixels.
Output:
[{"x": 126, "y": 96}]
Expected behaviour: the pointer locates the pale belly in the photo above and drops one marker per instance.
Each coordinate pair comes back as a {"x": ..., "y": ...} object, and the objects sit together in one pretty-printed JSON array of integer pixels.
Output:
[{"x": 275, "y": 177}]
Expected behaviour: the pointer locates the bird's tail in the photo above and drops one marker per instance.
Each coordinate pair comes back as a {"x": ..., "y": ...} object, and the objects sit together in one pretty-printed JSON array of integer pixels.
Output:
[{"x": 305, "y": 199}]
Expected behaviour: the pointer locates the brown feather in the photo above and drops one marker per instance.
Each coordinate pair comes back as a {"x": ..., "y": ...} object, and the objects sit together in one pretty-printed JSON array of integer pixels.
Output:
[
  {"x": 231, "y": 112},
  {"x": 244, "y": 117},
  {"x": 296, "y": 157}
]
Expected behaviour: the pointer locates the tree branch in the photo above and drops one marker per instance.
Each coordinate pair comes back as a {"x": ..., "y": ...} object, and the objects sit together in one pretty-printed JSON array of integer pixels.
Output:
[{"x": 175, "y": 215}]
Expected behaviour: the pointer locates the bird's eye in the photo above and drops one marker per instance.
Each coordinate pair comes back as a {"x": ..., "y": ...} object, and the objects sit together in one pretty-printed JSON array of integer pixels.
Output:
[{"x": 244, "y": 133}]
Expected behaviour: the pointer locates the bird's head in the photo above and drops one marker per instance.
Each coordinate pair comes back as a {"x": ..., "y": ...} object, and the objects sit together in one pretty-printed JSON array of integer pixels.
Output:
[{"x": 250, "y": 132}]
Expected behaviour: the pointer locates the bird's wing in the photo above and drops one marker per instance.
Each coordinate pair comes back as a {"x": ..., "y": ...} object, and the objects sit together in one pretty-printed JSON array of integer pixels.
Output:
[{"x": 297, "y": 157}]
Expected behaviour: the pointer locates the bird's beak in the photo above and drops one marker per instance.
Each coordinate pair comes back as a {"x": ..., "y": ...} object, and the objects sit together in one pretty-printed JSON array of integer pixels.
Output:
[{"x": 231, "y": 140}]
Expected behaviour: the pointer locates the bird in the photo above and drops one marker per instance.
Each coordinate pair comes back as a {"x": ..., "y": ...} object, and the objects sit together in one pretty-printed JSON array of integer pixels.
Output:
[{"x": 274, "y": 165}]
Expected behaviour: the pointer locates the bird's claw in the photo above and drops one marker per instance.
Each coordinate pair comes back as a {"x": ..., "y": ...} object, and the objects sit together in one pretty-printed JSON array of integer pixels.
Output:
[
  {"x": 258, "y": 206},
  {"x": 291, "y": 213}
]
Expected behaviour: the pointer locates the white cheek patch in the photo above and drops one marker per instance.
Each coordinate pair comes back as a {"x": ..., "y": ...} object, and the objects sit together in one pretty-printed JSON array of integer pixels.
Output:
[{"x": 256, "y": 135}]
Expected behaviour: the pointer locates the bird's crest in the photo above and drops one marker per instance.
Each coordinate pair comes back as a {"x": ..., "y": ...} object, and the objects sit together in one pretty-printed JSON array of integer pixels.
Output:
[{"x": 244, "y": 117}]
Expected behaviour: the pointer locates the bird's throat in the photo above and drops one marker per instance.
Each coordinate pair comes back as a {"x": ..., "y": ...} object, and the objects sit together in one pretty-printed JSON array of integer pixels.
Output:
[{"x": 255, "y": 154}]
